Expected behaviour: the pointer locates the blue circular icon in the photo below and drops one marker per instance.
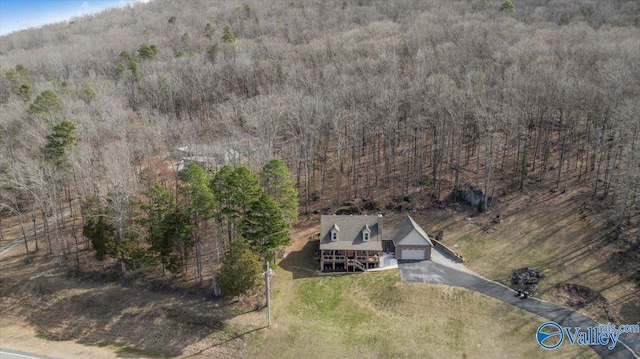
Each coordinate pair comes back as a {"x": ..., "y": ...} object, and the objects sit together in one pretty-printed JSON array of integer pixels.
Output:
[{"x": 549, "y": 335}]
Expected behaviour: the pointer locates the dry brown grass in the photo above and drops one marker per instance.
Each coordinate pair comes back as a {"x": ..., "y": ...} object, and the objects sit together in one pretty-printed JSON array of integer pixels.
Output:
[
  {"x": 44, "y": 305},
  {"x": 374, "y": 315},
  {"x": 551, "y": 232}
]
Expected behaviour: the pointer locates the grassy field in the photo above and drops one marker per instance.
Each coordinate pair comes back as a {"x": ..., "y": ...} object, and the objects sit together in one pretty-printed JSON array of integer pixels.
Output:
[
  {"x": 372, "y": 315},
  {"x": 375, "y": 315}
]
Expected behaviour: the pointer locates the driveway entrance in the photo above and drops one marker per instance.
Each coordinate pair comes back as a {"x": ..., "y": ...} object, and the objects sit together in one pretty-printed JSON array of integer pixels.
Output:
[{"x": 436, "y": 273}]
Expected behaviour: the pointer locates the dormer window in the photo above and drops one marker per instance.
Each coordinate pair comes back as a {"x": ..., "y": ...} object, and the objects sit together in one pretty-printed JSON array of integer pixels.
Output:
[
  {"x": 366, "y": 233},
  {"x": 334, "y": 233}
]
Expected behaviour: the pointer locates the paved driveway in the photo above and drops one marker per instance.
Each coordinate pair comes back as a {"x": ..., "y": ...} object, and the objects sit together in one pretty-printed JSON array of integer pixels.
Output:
[{"x": 436, "y": 273}]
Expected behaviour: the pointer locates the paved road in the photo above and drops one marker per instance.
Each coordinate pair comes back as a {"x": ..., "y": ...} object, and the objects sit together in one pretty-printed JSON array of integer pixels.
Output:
[
  {"x": 11, "y": 354},
  {"x": 435, "y": 273}
]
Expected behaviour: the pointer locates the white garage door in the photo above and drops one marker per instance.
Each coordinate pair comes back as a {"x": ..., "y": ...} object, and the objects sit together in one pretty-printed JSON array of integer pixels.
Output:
[{"x": 413, "y": 253}]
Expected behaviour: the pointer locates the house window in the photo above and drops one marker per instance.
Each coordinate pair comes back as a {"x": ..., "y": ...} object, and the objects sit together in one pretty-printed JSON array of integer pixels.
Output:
[
  {"x": 334, "y": 233},
  {"x": 366, "y": 233}
]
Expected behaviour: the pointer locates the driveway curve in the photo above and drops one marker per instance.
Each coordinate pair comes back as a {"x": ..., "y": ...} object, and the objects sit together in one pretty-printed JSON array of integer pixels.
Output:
[{"x": 435, "y": 273}]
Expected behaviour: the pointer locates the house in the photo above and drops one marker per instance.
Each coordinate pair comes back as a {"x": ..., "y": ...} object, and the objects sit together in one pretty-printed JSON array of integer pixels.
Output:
[
  {"x": 356, "y": 243},
  {"x": 211, "y": 157}
]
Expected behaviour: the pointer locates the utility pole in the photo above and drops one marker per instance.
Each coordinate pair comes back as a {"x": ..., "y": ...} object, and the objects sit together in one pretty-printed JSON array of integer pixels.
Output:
[{"x": 267, "y": 274}]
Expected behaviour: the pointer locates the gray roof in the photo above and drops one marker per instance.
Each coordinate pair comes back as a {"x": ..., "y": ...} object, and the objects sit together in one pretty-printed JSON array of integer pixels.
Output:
[
  {"x": 408, "y": 232},
  {"x": 350, "y": 233}
]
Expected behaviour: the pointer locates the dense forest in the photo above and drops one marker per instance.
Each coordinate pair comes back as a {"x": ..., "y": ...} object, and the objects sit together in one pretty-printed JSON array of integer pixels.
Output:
[{"x": 376, "y": 100}]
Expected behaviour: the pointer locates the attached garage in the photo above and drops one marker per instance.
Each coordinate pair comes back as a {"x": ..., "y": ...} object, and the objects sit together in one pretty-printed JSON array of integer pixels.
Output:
[
  {"x": 411, "y": 242},
  {"x": 413, "y": 254}
]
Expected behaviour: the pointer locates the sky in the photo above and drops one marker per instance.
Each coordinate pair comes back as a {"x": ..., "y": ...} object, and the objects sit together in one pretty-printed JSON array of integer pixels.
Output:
[{"x": 23, "y": 14}]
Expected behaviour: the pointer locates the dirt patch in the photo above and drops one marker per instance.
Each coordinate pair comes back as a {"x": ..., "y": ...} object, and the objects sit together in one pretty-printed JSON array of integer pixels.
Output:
[
  {"x": 581, "y": 297},
  {"x": 301, "y": 257}
]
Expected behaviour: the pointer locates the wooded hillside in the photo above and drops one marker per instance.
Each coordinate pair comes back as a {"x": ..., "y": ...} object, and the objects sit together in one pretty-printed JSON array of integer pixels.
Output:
[{"x": 362, "y": 99}]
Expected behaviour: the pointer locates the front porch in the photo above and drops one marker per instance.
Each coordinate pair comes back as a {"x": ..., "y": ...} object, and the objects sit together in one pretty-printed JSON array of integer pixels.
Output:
[{"x": 349, "y": 260}]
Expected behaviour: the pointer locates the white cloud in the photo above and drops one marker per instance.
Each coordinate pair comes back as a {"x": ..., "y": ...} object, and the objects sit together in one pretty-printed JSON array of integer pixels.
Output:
[{"x": 85, "y": 5}]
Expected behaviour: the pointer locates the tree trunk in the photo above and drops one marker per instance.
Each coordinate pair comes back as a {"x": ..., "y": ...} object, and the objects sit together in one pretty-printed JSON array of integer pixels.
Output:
[
  {"x": 35, "y": 230},
  {"x": 69, "y": 200},
  {"x": 75, "y": 237},
  {"x": 546, "y": 152},
  {"x": 627, "y": 188},
  {"x": 24, "y": 236},
  {"x": 488, "y": 165},
  {"x": 387, "y": 159},
  {"x": 615, "y": 177},
  {"x": 79, "y": 199},
  {"x": 595, "y": 186},
  {"x": 338, "y": 198},
  {"x": 568, "y": 156},
  {"x": 523, "y": 167},
  {"x": 61, "y": 213},
  {"x": 230, "y": 230},
  {"x": 214, "y": 285},
  {"x": 47, "y": 233},
  {"x": 323, "y": 164},
  {"x": 608, "y": 141},
  {"x": 197, "y": 245},
  {"x": 436, "y": 160},
  {"x": 376, "y": 161},
  {"x": 120, "y": 241},
  {"x": 563, "y": 146},
  {"x": 56, "y": 228},
  {"x": 307, "y": 188},
  {"x": 536, "y": 150}
]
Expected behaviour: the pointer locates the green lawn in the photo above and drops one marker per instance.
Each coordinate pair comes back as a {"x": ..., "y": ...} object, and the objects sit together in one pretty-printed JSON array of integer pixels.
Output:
[{"x": 375, "y": 315}]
